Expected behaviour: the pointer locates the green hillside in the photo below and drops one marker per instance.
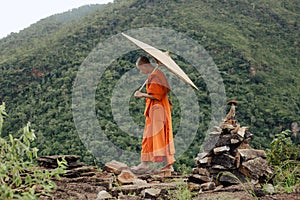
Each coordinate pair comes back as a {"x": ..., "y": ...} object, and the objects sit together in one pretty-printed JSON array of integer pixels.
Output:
[{"x": 254, "y": 44}]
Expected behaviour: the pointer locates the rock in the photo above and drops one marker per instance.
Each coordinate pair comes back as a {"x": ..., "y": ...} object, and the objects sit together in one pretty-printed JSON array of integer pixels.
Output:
[
  {"x": 151, "y": 192},
  {"x": 204, "y": 161},
  {"x": 137, "y": 189},
  {"x": 193, "y": 187},
  {"x": 199, "y": 179},
  {"x": 227, "y": 126},
  {"x": 100, "y": 180},
  {"x": 73, "y": 165},
  {"x": 208, "y": 186},
  {"x": 237, "y": 159},
  {"x": 129, "y": 197},
  {"x": 126, "y": 177},
  {"x": 225, "y": 160},
  {"x": 103, "y": 195},
  {"x": 244, "y": 145},
  {"x": 235, "y": 130},
  {"x": 216, "y": 132},
  {"x": 81, "y": 171},
  {"x": 242, "y": 130},
  {"x": 234, "y": 141},
  {"x": 129, "y": 189},
  {"x": 223, "y": 140},
  {"x": 139, "y": 182},
  {"x": 248, "y": 135},
  {"x": 218, "y": 167},
  {"x": 256, "y": 168},
  {"x": 202, "y": 155},
  {"x": 269, "y": 189},
  {"x": 115, "y": 167},
  {"x": 201, "y": 171},
  {"x": 228, "y": 179},
  {"x": 248, "y": 154},
  {"x": 217, "y": 129},
  {"x": 219, "y": 150}
]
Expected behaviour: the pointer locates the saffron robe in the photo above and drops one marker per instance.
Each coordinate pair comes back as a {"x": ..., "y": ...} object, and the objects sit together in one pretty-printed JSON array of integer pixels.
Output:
[{"x": 158, "y": 143}]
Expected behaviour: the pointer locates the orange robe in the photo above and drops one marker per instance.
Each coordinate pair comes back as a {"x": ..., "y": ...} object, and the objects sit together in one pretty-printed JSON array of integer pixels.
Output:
[{"x": 158, "y": 144}]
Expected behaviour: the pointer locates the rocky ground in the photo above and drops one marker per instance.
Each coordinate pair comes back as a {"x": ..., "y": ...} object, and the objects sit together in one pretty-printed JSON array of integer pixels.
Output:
[{"x": 116, "y": 181}]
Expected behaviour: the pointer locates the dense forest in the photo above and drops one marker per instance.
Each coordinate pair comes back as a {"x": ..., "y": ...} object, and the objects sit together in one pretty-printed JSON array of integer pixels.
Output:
[{"x": 254, "y": 45}]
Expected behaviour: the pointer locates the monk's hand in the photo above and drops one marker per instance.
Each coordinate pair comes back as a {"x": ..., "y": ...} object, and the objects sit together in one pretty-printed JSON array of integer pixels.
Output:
[{"x": 138, "y": 94}]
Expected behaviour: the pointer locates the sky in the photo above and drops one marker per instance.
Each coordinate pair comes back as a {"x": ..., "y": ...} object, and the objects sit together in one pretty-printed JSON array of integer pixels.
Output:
[{"x": 15, "y": 15}]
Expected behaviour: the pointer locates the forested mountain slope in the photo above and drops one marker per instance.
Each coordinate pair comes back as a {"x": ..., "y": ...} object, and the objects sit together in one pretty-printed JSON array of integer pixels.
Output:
[{"x": 255, "y": 45}]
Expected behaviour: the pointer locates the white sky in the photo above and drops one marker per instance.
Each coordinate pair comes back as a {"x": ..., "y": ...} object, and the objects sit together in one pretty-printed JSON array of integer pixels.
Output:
[{"x": 15, "y": 15}]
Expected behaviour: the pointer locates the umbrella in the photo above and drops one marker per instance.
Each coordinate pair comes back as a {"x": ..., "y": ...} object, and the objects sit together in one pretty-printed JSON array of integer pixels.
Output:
[{"x": 164, "y": 58}]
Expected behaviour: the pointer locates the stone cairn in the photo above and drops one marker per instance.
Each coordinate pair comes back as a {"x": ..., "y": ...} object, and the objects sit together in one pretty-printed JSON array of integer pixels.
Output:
[{"x": 230, "y": 160}]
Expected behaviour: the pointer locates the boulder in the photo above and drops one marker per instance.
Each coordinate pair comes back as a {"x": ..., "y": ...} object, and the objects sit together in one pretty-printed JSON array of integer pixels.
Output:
[
  {"x": 256, "y": 168},
  {"x": 114, "y": 167}
]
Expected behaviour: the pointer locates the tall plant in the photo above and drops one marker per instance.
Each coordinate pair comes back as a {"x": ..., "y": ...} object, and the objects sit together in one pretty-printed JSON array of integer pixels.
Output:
[
  {"x": 20, "y": 177},
  {"x": 284, "y": 158}
]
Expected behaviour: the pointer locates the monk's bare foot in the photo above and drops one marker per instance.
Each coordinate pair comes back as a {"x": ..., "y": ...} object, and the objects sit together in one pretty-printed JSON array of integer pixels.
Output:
[{"x": 140, "y": 166}]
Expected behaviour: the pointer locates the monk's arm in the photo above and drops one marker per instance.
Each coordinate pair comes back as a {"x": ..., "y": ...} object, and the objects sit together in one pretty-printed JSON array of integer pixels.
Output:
[{"x": 139, "y": 94}]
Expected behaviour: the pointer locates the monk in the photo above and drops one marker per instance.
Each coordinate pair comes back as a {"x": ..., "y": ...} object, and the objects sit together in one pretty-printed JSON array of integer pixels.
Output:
[{"x": 157, "y": 144}]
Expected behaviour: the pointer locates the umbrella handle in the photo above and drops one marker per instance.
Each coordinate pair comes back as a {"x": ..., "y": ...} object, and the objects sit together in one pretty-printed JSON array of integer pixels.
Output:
[
  {"x": 147, "y": 79},
  {"x": 143, "y": 85}
]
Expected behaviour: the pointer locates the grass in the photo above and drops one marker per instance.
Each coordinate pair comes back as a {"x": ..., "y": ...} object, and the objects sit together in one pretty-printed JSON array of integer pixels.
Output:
[
  {"x": 247, "y": 187},
  {"x": 282, "y": 157},
  {"x": 181, "y": 193}
]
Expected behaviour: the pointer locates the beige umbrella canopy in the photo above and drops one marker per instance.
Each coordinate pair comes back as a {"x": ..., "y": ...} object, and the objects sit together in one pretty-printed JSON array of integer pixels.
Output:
[{"x": 164, "y": 58}]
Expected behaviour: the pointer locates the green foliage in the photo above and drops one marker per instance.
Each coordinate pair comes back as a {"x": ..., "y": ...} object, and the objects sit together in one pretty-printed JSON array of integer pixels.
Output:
[
  {"x": 282, "y": 149},
  {"x": 20, "y": 178},
  {"x": 181, "y": 193},
  {"x": 287, "y": 176},
  {"x": 284, "y": 158},
  {"x": 2, "y": 114}
]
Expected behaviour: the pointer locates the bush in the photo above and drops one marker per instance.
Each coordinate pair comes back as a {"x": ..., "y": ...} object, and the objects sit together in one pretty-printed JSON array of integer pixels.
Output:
[
  {"x": 20, "y": 177},
  {"x": 283, "y": 157}
]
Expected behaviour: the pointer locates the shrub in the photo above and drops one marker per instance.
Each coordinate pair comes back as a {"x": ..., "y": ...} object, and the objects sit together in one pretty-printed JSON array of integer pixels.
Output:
[
  {"x": 20, "y": 177},
  {"x": 283, "y": 157}
]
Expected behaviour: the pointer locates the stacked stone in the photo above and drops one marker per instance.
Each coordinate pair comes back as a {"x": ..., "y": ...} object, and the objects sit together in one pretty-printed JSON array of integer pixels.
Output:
[
  {"x": 78, "y": 178},
  {"x": 73, "y": 167},
  {"x": 115, "y": 181},
  {"x": 230, "y": 159}
]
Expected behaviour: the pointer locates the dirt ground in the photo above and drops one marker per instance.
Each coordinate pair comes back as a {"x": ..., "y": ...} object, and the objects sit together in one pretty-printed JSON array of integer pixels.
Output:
[
  {"x": 89, "y": 190},
  {"x": 244, "y": 196}
]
